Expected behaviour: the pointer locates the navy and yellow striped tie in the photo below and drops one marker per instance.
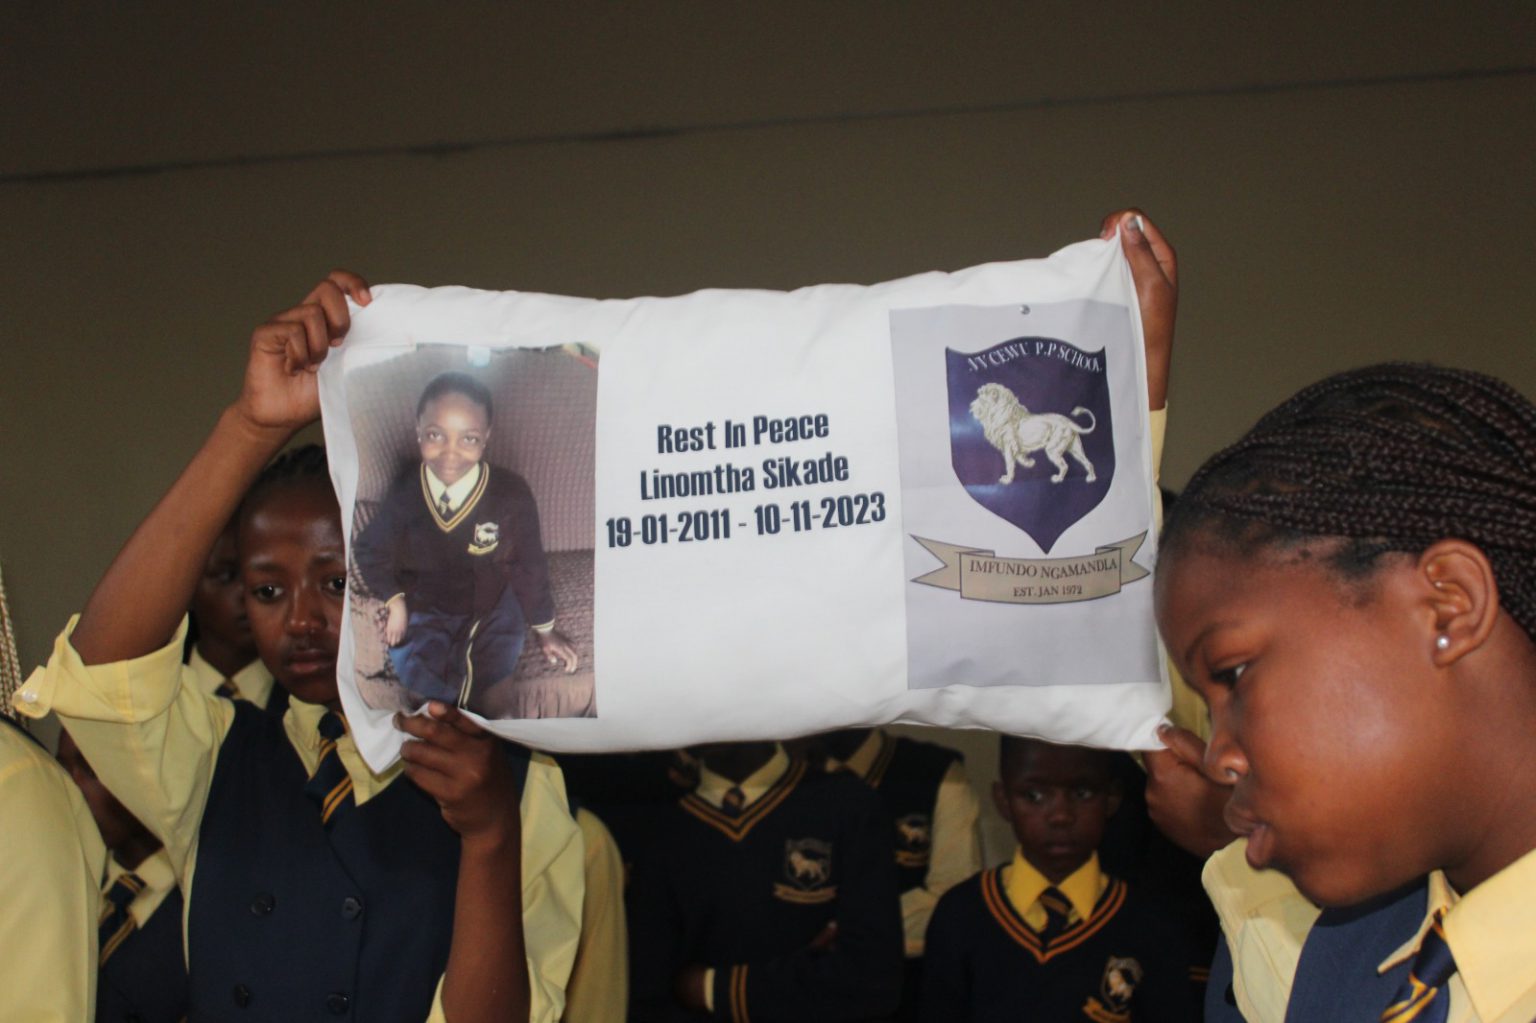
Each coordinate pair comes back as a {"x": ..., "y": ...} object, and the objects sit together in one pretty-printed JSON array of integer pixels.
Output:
[
  {"x": 1057, "y": 912},
  {"x": 116, "y": 922},
  {"x": 330, "y": 786},
  {"x": 1424, "y": 997}
]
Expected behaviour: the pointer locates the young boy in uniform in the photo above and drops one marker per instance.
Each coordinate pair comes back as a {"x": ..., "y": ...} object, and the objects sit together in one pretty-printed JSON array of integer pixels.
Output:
[
  {"x": 770, "y": 894},
  {"x": 223, "y": 655},
  {"x": 456, "y": 555},
  {"x": 1050, "y": 931},
  {"x": 142, "y": 967},
  {"x": 315, "y": 888}
]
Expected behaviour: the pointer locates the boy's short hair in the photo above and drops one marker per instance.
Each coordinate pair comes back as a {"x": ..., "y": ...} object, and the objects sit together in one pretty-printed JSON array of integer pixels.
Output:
[
  {"x": 454, "y": 382},
  {"x": 1012, "y": 749}
]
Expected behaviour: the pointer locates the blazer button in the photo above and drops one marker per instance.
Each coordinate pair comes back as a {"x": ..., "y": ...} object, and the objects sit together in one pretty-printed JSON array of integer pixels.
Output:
[
  {"x": 242, "y": 995},
  {"x": 263, "y": 904},
  {"x": 338, "y": 1003},
  {"x": 351, "y": 907}
]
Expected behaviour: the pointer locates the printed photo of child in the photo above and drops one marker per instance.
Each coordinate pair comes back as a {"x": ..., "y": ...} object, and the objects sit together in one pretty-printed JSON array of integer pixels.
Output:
[{"x": 462, "y": 591}]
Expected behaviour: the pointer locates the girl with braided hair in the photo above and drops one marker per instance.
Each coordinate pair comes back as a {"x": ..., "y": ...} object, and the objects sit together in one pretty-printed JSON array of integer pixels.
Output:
[{"x": 1352, "y": 589}]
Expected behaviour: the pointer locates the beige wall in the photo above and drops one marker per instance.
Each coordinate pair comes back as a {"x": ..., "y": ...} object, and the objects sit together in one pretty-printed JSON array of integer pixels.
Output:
[{"x": 1321, "y": 222}]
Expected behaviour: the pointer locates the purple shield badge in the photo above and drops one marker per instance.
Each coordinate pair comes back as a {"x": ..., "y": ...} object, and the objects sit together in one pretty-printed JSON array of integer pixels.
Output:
[{"x": 1030, "y": 433}]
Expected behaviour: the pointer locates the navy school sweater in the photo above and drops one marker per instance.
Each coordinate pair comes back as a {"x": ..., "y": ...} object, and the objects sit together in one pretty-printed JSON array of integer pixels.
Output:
[
  {"x": 748, "y": 895},
  {"x": 290, "y": 922},
  {"x": 1129, "y": 962},
  {"x": 145, "y": 980},
  {"x": 458, "y": 566}
]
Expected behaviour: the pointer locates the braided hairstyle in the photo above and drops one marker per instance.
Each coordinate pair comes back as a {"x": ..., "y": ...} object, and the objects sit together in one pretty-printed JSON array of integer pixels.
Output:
[
  {"x": 1389, "y": 458},
  {"x": 303, "y": 464}
]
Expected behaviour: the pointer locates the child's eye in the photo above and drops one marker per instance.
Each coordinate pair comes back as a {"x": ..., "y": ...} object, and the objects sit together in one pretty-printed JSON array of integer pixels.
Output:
[
  {"x": 472, "y": 441},
  {"x": 336, "y": 585},
  {"x": 266, "y": 593},
  {"x": 1035, "y": 796},
  {"x": 1085, "y": 793},
  {"x": 1228, "y": 676}
]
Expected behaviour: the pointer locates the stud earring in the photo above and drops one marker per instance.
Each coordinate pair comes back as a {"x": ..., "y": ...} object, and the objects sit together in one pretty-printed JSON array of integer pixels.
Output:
[{"x": 1442, "y": 642}]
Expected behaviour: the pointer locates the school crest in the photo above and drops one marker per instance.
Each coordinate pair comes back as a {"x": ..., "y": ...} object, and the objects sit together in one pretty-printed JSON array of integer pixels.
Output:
[
  {"x": 914, "y": 840},
  {"x": 1122, "y": 975},
  {"x": 807, "y": 872},
  {"x": 1031, "y": 437},
  {"x": 484, "y": 538}
]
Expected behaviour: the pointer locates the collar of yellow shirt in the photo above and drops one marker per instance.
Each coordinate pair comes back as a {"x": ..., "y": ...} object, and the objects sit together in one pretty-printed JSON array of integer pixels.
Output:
[
  {"x": 159, "y": 879},
  {"x": 302, "y": 723},
  {"x": 1490, "y": 935},
  {"x": 1023, "y": 885},
  {"x": 862, "y": 759},
  {"x": 713, "y": 787}
]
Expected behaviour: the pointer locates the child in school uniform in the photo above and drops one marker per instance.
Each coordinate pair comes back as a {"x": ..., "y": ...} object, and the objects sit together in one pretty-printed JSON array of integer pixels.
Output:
[
  {"x": 223, "y": 654},
  {"x": 933, "y": 814},
  {"x": 445, "y": 888},
  {"x": 142, "y": 969},
  {"x": 1050, "y": 934},
  {"x": 768, "y": 894},
  {"x": 1352, "y": 589},
  {"x": 455, "y": 553},
  {"x": 51, "y": 863}
]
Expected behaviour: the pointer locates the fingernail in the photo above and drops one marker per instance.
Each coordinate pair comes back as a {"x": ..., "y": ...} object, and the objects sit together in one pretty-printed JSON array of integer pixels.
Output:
[{"x": 1133, "y": 223}]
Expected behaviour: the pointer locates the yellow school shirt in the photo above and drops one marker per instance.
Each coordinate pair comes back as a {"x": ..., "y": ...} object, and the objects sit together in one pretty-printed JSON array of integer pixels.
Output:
[
  {"x": 599, "y": 987},
  {"x": 1023, "y": 885},
  {"x": 153, "y": 738},
  {"x": 955, "y": 853},
  {"x": 51, "y": 864},
  {"x": 253, "y": 682},
  {"x": 1266, "y": 921}
]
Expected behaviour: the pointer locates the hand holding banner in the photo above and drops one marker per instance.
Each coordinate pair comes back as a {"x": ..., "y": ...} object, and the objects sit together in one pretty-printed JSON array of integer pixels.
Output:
[{"x": 731, "y": 525}]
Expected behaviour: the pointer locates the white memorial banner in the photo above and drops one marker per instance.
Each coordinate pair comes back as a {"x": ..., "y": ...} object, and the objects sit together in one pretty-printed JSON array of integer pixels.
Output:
[{"x": 731, "y": 515}]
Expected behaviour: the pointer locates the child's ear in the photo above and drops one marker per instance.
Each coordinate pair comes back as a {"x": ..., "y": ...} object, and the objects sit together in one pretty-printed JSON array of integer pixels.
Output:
[
  {"x": 1463, "y": 597},
  {"x": 1000, "y": 801}
]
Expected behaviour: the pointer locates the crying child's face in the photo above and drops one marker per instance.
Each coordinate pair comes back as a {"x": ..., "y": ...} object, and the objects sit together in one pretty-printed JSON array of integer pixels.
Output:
[{"x": 452, "y": 433}]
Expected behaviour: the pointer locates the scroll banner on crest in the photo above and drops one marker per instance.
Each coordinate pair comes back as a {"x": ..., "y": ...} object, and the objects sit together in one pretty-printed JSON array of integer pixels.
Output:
[{"x": 603, "y": 525}]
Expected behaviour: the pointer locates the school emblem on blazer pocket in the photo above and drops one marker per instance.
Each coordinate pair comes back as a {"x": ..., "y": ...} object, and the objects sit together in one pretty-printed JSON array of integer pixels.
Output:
[
  {"x": 807, "y": 872},
  {"x": 1121, "y": 976},
  {"x": 1030, "y": 433},
  {"x": 914, "y": 840},
  {"x": 485, "y": 537}
]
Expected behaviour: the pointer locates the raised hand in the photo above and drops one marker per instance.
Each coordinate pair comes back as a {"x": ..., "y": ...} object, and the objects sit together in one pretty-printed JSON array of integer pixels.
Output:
[
  {"x": 1155, "y": 269},
  {"x": 280, "y": 391}
]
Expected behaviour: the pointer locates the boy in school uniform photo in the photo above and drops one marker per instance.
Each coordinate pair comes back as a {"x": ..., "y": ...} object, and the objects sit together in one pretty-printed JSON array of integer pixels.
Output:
[
  {"x": 768, "y": 894},
  {"x": 142, "y": 967},
  {"x": 455, "y": 554},
  {"x": 447, "y": 887},
  {"x": 1050, "y": 935},
  {"x": 933, "y": 814},
  {"x": 1352, "y": 589},
  {"x": 223, "y": 656}
]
